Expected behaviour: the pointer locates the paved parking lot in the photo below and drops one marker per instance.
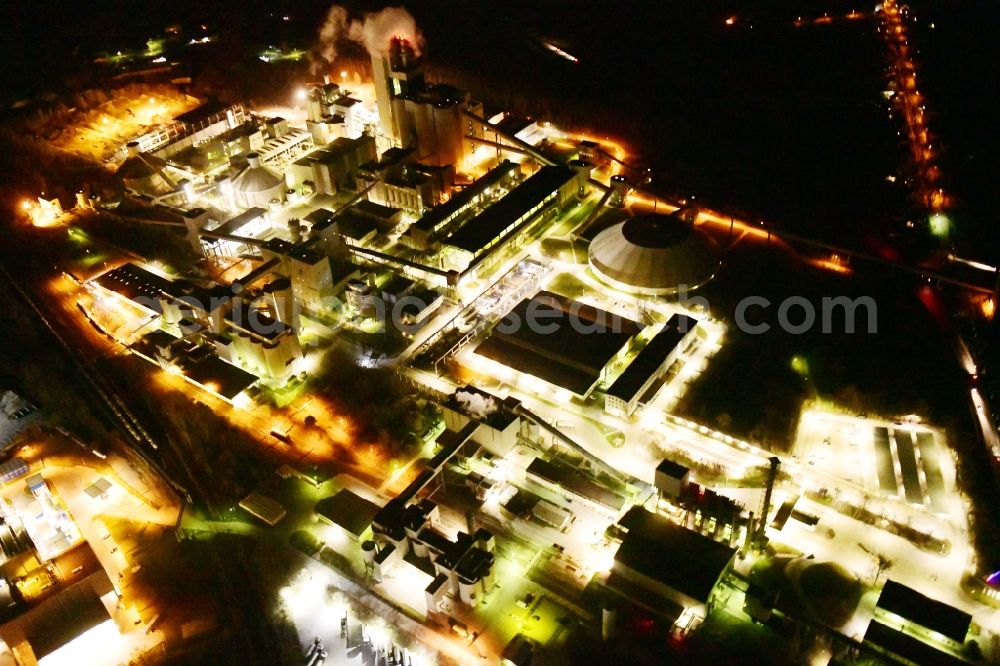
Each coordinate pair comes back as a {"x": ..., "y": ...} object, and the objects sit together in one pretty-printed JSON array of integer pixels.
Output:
[{"x": 907, "y": 461}]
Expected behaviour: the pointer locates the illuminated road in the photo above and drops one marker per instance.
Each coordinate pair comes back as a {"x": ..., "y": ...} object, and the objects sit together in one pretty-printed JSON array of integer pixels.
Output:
[{"x": 910, "y": 103}]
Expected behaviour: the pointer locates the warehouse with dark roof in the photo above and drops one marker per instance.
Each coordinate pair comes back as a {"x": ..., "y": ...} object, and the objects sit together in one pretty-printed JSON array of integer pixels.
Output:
[
  {"x": 661, "y": 559},
  {"x": 561, "y": 341}
]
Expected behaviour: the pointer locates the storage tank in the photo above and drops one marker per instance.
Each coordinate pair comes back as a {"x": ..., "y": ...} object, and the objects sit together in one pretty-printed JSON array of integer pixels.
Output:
[
  {"x": 609, "y": 618},
  {"x": 281, "y": 300},
  {"x": 369, "y": 549}
]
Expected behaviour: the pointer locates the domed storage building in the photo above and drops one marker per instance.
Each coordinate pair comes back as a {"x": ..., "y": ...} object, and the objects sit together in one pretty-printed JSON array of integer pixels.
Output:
[
  {"x": 256, "y": 185},
  {"x": 653, "y": 255},
  {"x": 142, "y": 172}
]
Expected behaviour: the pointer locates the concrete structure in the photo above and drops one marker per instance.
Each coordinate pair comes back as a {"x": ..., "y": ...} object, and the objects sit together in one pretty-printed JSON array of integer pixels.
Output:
[
  {"x": 323, "y": 122},
  {"x": 350, "y": 513},
  {"x": 498, "y": 422},
  {"x": 411, "y": 114},
  {"x": 638, "y": 382},
  {"x": 916, "y": 629},
  {"x": 334, "y": 166},
  {"x": 398, "y": 180},
  {"x": 671, "y": 479},
  {"x": 462, "y": 568},
  {"x": 653, "y": 255},
  {"x": 668, "y": 568},
  {"x": 144, "y": 173},
  {"x": 257, "y": 186}
]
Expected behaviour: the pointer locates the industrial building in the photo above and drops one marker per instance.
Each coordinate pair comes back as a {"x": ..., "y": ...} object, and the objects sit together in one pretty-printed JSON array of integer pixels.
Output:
[
  {"x": 565, "y": 480},
  {"x": 671, "y": 479},
  {"x": 409, "y": 535},
  {"x": 507, "y": 220},
  {"x": 425, "y": 232},
  {"x": 916, "y": 629},
  {"x": 144, "y": 173},
  {"x": 397, "y": 179},
  {"x": 668, "y": 569},
  {"x": 499, "y": 423},
  {"x": 257, "y": 185},
  {"x": 334, "y": 166},
  {"x": 431, "y": 119},
  {"x": 638, "y": 382},
  {"x": 240, "y": 330},
  {"x": 578, "y": 343},
  {"x": 350, "y": 513},
  {"x": 653, "y": 255}
]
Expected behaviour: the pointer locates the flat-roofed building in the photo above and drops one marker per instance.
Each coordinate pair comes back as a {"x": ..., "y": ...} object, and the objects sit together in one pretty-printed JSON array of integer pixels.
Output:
[
  {"x": 563, "y": 342},
  {"x": 659, "y": 561},
  {"x": 423, "y": 233},
  {"x": 263, "y": 507},
  {"x": 355, "y": 229},
  {"x": 349, "y": 512},
  {"x": 622, "y": 398},
  {"x": 917, "y": 628},
  {"x": 671, "y": 478},
  {"x": 568, "y": 481},
  {"x": 335, "y": 165},
  {"x": 508, "y": 219}
]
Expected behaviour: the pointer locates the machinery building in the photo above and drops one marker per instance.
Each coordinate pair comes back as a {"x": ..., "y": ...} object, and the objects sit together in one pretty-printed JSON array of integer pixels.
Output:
[
  {"x": 144, "y": 173},
  {"x": 571, "y": 352},
  {"x": 668, "y": 569},
  {"x": 397, "y": 179},
  {"x": 638, "y": 383},
  {"x": 351, "y": 513},
  {"x": 323, "y": 121},
  {"x": 916, "y": 629},
  {"x": 514, "y": 216},
  {"x": 431, "y": 119},
  {"x": 653, "y": 255},
  {"x": 499, "y": 424},
  {"x": 257, "y": 186},
  {"x": 425, "y": 232},
  {"x": 334, "y": 166},
  {"x": 410, "y": 535},
  {"x": 245, "y": 331},
  {"x": 671, "y": 479}
]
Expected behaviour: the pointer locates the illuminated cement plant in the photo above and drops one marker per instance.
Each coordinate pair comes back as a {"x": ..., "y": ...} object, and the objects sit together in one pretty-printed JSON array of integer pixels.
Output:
[{"x": 535, "y": 316}]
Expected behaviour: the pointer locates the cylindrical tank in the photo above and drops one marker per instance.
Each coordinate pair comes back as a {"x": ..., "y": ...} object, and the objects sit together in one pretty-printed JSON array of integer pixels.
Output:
[
  {"x": 609, "y": 618},
  {"x": 619, "y": 191},
  {"x": 369, "y": 549},
  {"x": 295, "y": 229},
  {"x": 282, "y": 301}
]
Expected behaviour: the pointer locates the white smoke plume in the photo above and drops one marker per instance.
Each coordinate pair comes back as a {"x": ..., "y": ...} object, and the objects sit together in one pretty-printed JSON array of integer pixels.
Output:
[
  {"x": 374, "y": 31},
  {"x": 475, "y": 404}
]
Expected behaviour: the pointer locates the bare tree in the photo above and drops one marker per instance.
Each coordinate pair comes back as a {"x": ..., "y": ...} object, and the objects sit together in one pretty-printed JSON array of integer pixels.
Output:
[{"x": 880, "y": 563}]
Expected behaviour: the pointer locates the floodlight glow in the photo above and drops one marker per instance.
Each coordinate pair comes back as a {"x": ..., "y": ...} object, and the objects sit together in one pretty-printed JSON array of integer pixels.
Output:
[{"x": 940, "y": 225}]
